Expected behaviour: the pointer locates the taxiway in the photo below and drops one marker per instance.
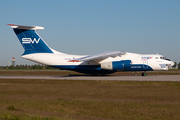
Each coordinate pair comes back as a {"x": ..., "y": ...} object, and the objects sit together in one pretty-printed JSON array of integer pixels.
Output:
[{"x": 118, "y": 78}]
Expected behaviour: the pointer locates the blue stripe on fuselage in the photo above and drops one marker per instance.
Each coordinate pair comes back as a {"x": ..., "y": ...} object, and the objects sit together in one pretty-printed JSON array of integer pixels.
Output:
[
  {"x": 76, "y": 67},
  {"x": 134, "y": 67},
  {"x": 139, "y": 67}
]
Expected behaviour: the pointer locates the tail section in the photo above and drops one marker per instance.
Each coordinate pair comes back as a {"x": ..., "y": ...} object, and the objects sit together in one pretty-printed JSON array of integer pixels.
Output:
[{"x": 30, "y": 40}]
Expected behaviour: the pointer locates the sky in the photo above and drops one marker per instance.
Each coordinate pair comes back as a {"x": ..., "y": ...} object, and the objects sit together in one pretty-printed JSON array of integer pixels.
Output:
[{"x": 87, "y": 27}]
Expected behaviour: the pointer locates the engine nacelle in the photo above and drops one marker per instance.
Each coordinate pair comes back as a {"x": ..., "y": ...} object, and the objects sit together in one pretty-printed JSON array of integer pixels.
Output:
[{"x": 116, "y": 65}]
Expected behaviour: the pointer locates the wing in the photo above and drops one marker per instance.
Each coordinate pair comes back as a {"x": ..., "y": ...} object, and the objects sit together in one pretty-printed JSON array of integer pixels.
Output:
[{"x": 100, "y": 56}]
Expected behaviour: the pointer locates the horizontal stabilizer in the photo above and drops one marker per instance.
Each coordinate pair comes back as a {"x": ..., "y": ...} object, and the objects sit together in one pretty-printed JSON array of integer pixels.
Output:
[{"x": 26, "y": 27}]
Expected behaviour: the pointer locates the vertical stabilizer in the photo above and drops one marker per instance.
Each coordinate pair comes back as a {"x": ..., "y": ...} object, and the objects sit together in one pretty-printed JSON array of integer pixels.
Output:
[{"x": 30, "y": 39}]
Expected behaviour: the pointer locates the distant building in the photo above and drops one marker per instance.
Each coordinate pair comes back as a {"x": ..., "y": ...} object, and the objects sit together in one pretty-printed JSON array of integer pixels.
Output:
[{"x": 13, "y": 61}]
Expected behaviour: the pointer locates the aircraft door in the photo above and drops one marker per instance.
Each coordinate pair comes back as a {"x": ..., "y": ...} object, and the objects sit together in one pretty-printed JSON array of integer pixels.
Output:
[{"x": 145, "y": 64}]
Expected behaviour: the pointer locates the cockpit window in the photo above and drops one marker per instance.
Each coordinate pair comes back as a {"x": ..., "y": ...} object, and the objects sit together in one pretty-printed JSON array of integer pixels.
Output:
[{"x": 164, "y": 58}]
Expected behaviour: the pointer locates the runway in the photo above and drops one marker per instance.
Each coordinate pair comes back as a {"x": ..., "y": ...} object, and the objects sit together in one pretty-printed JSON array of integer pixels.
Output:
[{"x": 117, "y": 78}]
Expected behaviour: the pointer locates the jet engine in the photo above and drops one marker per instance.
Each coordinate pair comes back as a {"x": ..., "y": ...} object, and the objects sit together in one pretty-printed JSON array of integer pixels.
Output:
[{"x": 116, "y": 65}]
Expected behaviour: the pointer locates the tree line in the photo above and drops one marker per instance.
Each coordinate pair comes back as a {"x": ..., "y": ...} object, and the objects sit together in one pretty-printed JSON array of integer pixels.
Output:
[
  {"x": 176, "y": 65},
  {"x": 39, "y": 66}
]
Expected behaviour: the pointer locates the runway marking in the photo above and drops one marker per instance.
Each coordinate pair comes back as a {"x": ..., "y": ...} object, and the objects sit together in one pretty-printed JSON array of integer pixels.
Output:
[{"x": 117, "y": 78}]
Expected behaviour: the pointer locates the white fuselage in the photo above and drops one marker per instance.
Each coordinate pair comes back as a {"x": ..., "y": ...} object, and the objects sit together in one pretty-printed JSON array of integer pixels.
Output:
[{"x": 138, "y": 60}]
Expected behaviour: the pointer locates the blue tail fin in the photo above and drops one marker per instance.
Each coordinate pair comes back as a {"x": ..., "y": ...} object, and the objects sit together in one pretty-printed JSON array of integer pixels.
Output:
[{"x": 30, "y": 40}]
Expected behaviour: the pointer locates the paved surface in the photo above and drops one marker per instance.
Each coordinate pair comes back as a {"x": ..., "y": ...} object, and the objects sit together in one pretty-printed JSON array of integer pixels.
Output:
[{"x": 119, "y": 78}]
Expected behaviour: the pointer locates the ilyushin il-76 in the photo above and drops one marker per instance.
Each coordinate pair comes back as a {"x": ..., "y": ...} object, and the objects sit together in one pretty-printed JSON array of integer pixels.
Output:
[{"x": 37, "y": 50}]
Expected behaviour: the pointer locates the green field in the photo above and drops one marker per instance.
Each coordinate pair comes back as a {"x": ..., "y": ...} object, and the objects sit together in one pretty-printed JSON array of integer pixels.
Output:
[
  {"x": 24, "y": 99},
  {"x": 66, "y": 73}
]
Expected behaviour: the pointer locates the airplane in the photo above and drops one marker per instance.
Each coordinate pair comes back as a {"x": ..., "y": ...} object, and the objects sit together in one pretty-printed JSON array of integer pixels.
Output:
[{"x": 37, "y": 50}]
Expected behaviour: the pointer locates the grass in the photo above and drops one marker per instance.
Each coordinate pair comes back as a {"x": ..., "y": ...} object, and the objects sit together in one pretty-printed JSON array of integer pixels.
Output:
[
  {"x": 38, "y": 72},
  {"x": 66, "y": 73},
  {"x": 24, "y": 99}
]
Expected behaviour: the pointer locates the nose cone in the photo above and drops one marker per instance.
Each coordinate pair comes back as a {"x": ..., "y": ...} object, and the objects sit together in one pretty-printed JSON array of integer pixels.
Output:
[{"x": 172, "y": 63}]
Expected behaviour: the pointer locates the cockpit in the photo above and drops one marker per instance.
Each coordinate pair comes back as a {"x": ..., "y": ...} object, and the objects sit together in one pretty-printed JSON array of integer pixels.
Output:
[
  {"x": 168, "y": 62},
  {"x": 164, "y": 58}
]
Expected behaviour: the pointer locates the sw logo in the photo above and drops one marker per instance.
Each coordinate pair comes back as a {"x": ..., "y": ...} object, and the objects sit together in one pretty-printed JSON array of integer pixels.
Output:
[{"x": 29, "y": 40}]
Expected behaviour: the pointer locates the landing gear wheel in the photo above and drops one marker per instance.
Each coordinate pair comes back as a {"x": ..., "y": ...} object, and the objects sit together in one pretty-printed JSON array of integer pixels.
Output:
[
  {"x": 103, "y": 74},
  {"x": 94, "y": 74},
  {"x": 144, "y": 74}
]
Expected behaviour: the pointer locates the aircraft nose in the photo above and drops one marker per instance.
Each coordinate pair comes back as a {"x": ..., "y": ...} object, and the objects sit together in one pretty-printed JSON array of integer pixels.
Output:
[{"x": 172, "y": 63}]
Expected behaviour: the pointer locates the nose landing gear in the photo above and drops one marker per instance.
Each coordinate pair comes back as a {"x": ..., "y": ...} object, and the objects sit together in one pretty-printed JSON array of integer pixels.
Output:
[{"x": 144, "y": 74}]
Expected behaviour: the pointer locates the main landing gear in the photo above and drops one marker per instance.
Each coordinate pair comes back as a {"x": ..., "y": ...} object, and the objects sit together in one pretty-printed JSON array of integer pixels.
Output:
[
  {"x": 144, "y": 74},
  {"x": 95, "y": 73},
  {"x": 103, "y": 74}
]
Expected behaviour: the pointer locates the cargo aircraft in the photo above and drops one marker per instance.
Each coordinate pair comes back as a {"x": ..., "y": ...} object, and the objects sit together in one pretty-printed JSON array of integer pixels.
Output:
[{"x": 37, "y": 50}]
